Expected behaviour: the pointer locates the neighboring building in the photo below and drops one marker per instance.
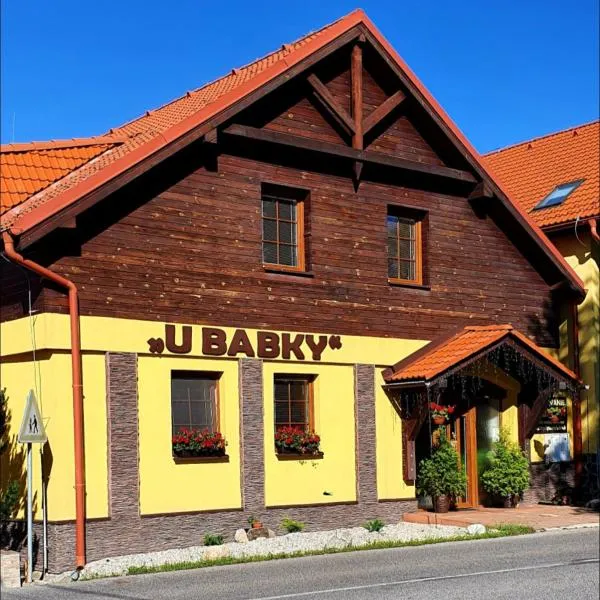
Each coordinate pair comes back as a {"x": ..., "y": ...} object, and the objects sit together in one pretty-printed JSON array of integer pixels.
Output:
[
  {"x": 308, "y": 241},
  {"x": 556, "y": 179}
]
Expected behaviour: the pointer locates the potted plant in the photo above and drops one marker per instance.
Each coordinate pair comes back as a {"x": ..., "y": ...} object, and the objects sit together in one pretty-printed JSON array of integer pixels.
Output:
[
  {"x": 296, "y": 440},
  {"x": 254, "y": 523},
  {"x": 555, "y": 413},
  {"x": 507, "y": 475},
  {"x": 441, "y": 476},
  {"x": 440, "y": 413},
  {"x": 195, "y": 442}
]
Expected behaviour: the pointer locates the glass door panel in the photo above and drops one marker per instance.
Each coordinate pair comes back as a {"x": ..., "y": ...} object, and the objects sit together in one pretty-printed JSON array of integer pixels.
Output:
[{"x": 488, "y": 429}]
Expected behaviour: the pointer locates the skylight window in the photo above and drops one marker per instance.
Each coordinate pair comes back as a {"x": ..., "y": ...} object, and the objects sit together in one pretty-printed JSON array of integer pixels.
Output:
[{"x": 559, "y": 194}]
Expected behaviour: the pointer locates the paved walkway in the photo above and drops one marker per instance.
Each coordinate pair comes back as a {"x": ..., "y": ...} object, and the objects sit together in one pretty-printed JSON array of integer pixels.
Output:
[{"x": 539, "y": 516}]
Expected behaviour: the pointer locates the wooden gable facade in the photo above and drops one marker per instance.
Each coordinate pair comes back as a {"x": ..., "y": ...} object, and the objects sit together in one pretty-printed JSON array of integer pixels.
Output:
[{"x": 182, "y": 242}]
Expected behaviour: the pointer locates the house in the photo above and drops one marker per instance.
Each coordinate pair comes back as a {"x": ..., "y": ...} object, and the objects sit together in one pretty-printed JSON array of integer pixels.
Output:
[
  {"x": 556, "y": 180},
  {"x": 308, "y": 242}
]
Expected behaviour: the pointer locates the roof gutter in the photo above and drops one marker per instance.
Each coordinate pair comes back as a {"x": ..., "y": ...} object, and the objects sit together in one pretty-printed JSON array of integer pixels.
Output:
[
  {"x": 403, "y": 384},
  {"x": 18, "y": 259}
]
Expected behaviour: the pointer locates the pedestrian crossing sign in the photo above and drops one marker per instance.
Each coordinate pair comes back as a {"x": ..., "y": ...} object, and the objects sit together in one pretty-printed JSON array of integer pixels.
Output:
[{"x": 32, "y": 428}]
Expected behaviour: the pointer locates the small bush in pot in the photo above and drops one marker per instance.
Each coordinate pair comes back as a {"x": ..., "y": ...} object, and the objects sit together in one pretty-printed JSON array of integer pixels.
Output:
[
  {"x": 441, "y": 476},
  {"x": 507, "y": 475}
]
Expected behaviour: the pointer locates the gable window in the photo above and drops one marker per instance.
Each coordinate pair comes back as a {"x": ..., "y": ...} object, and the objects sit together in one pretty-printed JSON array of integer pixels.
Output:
[
  {"x": 283, "y": 228},
  {"x": 405, "y": 247},
  {"x": 194, "y": 401},
  {"x": 293, "y": 401},
  {"x": 558, "y": 195}
]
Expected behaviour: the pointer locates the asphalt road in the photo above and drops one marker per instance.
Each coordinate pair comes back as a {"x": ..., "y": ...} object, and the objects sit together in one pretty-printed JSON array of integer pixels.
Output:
[{"x": 550, "y": 565}]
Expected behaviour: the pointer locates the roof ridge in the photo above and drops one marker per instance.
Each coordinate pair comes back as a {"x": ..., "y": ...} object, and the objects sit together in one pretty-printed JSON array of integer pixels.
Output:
[
  {"x": 233, "y": 70},
  {"x": 66, "y": 143},
  {"x": 541, "y": 137}
]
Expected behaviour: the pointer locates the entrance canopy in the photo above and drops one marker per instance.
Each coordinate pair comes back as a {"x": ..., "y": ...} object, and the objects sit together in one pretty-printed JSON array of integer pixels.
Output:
[
  {"x": 501, "y": 345},
  {"x": 461, "y": 366}
]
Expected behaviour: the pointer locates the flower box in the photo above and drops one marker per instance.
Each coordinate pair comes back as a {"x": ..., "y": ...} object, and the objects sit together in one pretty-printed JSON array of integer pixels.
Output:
[
  {"x": 296, "y": 441},
  {"x": 440, "y": 413},
  {"x": 196, "y": 443}
]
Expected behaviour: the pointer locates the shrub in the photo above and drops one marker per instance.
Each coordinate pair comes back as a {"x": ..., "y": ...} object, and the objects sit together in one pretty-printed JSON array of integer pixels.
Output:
[
  {"x": 374, "y": 525},
  {"x": 9, "y": 497},
  {"x": 508, "y": 472},
  {"x": 441, "y": 474},
  {"x": 292, "y": 526},
  {"x": 211, "y": 539}
]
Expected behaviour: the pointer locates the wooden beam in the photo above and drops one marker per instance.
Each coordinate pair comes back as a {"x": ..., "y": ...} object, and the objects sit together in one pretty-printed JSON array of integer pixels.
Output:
[
  {"x": 357, "y": 96},
  {"x": 410, "y": 431},
  {"x": 211, "y": 136},
  {"x": 375, "y": 158},
  {"x": 535, "y": 412},
  {"x": 382, "y": 111},
  {"x": 482, "y": 191},
  {"x": 35, "y": 233},
  {"x": 336, "y": 110}
]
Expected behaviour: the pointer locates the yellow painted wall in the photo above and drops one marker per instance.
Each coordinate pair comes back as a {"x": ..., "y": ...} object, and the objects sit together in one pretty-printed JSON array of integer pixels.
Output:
[
  {"x": 105, "y": 334},
  {"x": 292, "y": 482},
  {"x": 56, "y": 406},
  {"x": 390, "y": 481},
  {"x": 165, "y": 486},
  {"x": 583, "y": 256}
]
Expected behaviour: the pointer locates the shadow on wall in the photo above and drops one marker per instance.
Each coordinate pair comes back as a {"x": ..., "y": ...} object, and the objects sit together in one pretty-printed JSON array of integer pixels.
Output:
[
  {"x": 13, "y": 482},
  {"x": 545, "y": 326}
]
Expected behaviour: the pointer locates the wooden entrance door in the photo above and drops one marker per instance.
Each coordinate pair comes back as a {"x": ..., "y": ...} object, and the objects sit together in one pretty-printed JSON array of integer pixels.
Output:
[{"x": 462, "y": 433}]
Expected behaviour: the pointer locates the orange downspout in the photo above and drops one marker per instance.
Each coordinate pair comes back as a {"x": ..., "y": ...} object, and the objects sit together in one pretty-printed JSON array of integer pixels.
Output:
[
  {"x": 15, "y": 257},
  {"x": 594, "y": 231}
]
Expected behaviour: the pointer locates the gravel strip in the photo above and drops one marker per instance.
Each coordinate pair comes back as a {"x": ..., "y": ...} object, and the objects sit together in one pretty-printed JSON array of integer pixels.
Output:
[{"x": 285, "y": 544}]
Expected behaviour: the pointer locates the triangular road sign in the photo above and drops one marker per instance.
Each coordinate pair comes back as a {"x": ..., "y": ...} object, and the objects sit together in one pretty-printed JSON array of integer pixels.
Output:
[{"x": 32, "y": 428}]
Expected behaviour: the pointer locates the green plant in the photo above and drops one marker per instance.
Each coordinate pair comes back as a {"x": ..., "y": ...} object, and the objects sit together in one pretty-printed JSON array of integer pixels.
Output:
[
  {"x": 196, "y": 442},
  {"x": 9, "y": 497},
  {"x": 374, "y": 525},
  {"x": 292, "y": 526},
  {"x": 441, "y": 474},
  {"x": 212, "y": 539},
  {"x": 297, "y": 440},
  {"x": 254, "y": 522},
  {"x": 508, "y": 472}
]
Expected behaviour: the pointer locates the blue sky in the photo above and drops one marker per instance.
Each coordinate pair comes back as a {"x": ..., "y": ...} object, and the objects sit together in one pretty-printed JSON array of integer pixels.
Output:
[{"x": 504, "y": 71}]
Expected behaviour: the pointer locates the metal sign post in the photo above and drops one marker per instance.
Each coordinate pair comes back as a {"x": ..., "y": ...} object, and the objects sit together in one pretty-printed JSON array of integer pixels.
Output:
[{"x": 31, "y": 432}]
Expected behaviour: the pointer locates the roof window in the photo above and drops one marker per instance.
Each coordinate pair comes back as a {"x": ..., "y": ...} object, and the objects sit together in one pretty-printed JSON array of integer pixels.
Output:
[{"x": 559, "y": 194}]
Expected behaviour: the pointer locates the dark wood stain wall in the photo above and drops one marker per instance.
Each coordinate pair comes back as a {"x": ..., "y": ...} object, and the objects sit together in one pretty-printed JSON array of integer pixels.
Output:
[{"x": 184, "y": 245}]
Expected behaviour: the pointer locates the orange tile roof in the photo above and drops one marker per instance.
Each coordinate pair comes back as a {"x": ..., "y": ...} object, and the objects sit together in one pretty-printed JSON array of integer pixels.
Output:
[
  {"x": 151, "y": 126},
  {"x": 471, "y": 342},
  {"x": 157, "y": 129},
  {"x": 529, "y": 171},
  {"x": 26, "y": 169}
]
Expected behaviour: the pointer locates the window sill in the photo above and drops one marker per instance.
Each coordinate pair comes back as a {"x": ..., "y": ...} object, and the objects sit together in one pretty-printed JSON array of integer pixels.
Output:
[
  {"x": 184, "y": 460},
  {"x": 283, "y": 271},
  {"x": 408, "y": 284},
  {"x": 290, "y": 456}
]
